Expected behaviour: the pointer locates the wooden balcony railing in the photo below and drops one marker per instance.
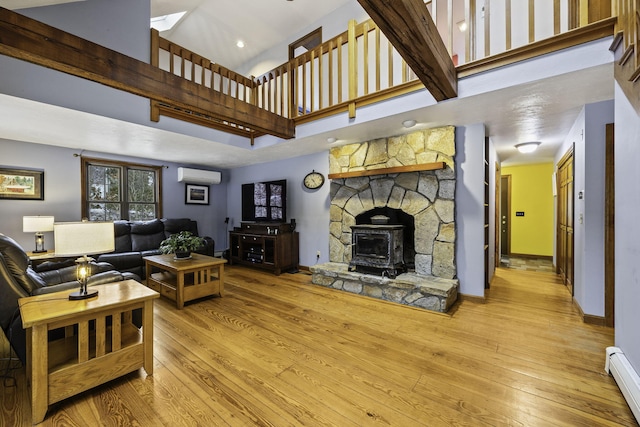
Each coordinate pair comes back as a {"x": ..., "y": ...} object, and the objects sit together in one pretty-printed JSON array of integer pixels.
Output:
[
  {"x": 360, "y": 67},
  {"x": 335, "y": 75},
  {"x": 628, "y": 34}
]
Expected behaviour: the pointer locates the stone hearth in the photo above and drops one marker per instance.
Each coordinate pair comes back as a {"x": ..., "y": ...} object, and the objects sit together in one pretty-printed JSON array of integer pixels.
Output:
[
  {"x": 427, "y": 196},
  {"x": 431, "y": 293}
]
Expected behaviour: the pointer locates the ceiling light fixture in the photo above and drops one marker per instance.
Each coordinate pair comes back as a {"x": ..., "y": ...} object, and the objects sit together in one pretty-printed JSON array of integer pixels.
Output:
[
  {"x": 240, "y": 44},
  {"x": 331, "y": 140},
  {"x": 528, "y": 147},
  {"x": 409, "y": 123},
  {"x": 462, "y": 25}
]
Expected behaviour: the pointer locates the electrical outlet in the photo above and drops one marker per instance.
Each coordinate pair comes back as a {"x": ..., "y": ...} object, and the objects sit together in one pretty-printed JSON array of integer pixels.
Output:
[{"x": 318, "y": 254}]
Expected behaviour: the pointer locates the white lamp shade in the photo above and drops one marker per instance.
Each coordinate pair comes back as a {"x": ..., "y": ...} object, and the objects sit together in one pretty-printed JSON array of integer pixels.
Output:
[
  {"x": 83, "y": 238},
  {"x": 35, "y": 224}
]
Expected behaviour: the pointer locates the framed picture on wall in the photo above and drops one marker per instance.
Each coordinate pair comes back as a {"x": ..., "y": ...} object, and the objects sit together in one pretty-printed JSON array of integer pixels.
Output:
[
  {"x": 21, "y": 184},
  {"x": 197, "y": 194}
]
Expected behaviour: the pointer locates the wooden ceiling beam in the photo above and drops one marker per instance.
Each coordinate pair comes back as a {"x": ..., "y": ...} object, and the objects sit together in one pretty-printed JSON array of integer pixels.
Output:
[
  {"x": 33, "y": 41},
  {"x": 410, "y": 29}
]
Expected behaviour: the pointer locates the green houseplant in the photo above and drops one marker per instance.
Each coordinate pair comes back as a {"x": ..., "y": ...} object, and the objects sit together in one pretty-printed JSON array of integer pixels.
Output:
[{"x": 181, "y": 244}]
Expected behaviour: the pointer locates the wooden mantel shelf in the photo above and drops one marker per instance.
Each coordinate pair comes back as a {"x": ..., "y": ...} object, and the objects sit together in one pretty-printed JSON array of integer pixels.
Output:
[{"x": 382, "y": 171}]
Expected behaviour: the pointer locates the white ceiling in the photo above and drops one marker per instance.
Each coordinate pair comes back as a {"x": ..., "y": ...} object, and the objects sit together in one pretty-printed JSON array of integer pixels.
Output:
[{"x": 548, "y": 107}]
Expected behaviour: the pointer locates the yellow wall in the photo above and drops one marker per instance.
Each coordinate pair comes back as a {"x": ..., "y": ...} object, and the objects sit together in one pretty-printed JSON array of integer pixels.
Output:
[{"x": 531, "y": 193}]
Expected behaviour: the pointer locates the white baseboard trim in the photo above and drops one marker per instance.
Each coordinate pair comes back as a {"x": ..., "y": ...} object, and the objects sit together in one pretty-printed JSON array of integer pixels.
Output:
[{"x": 626, "y": 377}]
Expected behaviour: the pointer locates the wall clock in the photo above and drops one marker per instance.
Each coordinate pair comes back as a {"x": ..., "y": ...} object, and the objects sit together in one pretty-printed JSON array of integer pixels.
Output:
[{"x": 313, "y": 180}]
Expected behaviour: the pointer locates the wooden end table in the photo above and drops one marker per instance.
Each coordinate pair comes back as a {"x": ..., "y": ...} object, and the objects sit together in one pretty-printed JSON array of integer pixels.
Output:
[
  {"x": 185, "y": 280},
  {"x": 88, "y": 357}
]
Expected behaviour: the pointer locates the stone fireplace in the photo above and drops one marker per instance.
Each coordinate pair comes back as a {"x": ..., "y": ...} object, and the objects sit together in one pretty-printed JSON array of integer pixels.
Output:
[{"x": 365, "y": 184}]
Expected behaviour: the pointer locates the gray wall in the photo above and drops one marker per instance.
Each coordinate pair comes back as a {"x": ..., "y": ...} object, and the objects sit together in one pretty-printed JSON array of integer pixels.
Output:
[
  {"x": 62, "y": 192},
  {"x": 588, "y": 135},
  {"x": 627, "y": 235},
  {"x": 470, "y": 208},
  {"x": 310, "y": 208}
]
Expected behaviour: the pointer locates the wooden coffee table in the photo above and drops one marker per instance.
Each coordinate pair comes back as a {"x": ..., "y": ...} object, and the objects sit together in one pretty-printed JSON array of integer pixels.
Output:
[
  {"x": 84, "y": 357},
  {"x": 185, "y": 280}
]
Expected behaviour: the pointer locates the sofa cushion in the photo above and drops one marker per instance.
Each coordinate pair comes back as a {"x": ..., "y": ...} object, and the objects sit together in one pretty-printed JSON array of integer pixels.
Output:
[
  {"x": 146, "y": 235},
  {"x": 17, "y": 261},
  {"x": 122, "y": 261},
  {"x": 122, "y": 231},
  {"x": 176, "y": 225}
]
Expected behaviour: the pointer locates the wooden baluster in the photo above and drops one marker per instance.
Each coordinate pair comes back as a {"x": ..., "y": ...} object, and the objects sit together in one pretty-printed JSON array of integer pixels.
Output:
[
  {"x": 269, "y": 90},
  {"x": 181, "y": 56},
  {"x": 532, "y": 21},
  {"x": 470, "y": 13},
  {"x": 365, "y": 57},
  {"x": 281, "y": 88},
  {"x": 212, "y": 77},
  {"x": 340, "y": 81},
  {"x": 450, "y": 27},
  {"x": 116, "y": 331},
  {"x": 203, "y": 71},
  {"x": 487, "y": 28},
  {"x": 171, "y": 53},
  {"x": 304, "y": 87},
  {"x": 556, "y": 17},
  {"x": 292, "y": 90},
  {"x": 101, "y": 336},
  {"x": 155, "y": 47},
  {"x": 330, "y": 65},
  {"x": 353, "y": 72},
  {"x": 378, "y": 71},
  {"x": 390, "y": 53},
  {"x": 83, "y": 341},
  {"x": 312, "y": 82},
  {"x": 263, "y": 100},
  {"x": 507, "y": 14},
  {"x": 193, "y": 68},
  {"x": 320, "y": 78}
]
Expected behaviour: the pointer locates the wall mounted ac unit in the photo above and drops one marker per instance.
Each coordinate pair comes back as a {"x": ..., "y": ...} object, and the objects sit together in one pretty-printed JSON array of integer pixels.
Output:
[{"x": 198, "y": 176}]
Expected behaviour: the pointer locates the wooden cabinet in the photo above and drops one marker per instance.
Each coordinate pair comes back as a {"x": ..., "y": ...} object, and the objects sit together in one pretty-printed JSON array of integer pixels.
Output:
[{"x": 272, "y": 246}]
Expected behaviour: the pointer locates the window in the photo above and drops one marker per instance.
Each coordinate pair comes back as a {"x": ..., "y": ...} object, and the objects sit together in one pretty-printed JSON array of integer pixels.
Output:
[{"x": 114, "y": 190}]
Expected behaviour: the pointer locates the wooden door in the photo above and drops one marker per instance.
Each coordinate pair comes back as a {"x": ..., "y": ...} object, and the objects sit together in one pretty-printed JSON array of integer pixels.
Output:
[
  {"x": 564, "y": 233},
  {"x": 496, "y": 228},
  {"x": 505, "y": 215},
  {"x": 609, "y": 230}
]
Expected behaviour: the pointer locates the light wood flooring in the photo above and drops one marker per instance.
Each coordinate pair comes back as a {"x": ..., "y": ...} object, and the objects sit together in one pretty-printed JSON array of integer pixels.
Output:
[{"x": 277, "y": 351}]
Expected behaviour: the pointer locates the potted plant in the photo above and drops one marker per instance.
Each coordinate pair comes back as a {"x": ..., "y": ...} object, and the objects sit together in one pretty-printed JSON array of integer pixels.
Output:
[{"x": 181, "y": 244}]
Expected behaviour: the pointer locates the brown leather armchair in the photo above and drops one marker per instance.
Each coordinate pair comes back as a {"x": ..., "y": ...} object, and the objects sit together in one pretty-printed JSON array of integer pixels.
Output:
[{"x": 18, "y": 279}]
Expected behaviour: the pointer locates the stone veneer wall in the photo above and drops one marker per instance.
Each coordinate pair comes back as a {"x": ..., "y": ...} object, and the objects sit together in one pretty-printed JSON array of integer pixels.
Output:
[{"x": 427, "y": 195}]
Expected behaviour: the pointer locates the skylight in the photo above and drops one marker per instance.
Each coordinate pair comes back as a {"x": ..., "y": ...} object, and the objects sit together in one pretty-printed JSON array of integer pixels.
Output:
[{"x": 166, "y": 22}]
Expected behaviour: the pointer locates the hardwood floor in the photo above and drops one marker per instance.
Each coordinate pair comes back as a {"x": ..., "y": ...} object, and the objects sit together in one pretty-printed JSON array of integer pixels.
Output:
[{"x": 277, "y": 351}]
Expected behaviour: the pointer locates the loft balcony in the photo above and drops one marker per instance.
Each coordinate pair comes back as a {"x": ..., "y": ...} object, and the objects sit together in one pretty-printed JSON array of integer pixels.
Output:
[
  {"x": 356, "y": 68},
  {"x": 361, "y": 66}
]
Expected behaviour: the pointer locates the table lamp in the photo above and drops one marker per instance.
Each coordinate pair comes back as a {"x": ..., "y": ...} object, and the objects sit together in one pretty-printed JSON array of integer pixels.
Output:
[
  {"x": 38, "y": 225},
  {"x": 82, "y": 239}
]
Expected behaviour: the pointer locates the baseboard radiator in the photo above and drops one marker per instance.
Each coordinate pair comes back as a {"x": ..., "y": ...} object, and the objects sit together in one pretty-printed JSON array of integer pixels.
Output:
[{"x": 626, "y": 377}]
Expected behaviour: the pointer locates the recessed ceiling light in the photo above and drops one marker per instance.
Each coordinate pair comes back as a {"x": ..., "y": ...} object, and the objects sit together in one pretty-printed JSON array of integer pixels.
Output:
[
  {"x": 528, "y": 147},
  {"x": 240, "y": 44},
  {"x": 166, "y": 22},
  {"x": 409, "y": 123},
  {"x": 331, "y": 140}
]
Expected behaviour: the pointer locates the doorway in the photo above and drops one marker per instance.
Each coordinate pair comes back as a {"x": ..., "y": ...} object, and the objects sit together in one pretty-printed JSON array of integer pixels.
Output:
[
  {"x": 505, "y": 216},
  {"x": 564, "y": 234},
  {"x": 609, "y": 230}
]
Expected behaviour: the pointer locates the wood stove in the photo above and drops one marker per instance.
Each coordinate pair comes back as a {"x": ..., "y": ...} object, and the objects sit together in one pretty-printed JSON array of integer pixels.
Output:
[{"x": 377, "y": 249}]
